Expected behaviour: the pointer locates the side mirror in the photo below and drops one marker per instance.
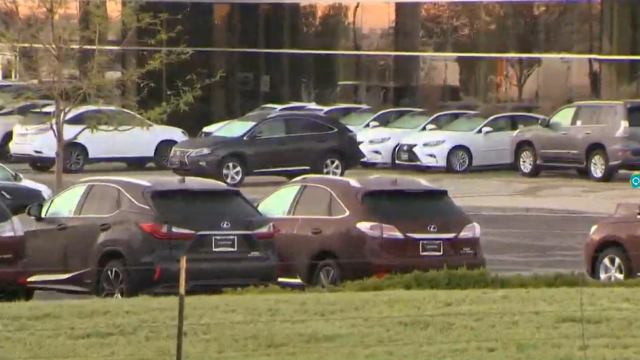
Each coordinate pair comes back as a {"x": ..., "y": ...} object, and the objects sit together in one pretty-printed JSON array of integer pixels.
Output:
[
  {"x": 374, "y": 124},
  {"x": 544, "y": 122},
  {"x": 35, "y": 211},
  {"x": 17, "y": 177},
  {"x": 430, "y": 127},
  {"x": 485, "y": 130}
]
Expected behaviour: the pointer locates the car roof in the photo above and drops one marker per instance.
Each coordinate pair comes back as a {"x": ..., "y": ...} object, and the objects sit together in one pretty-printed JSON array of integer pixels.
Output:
[
  {"x": 75, "y": 109},
  {"x": 336, "y": 106}
]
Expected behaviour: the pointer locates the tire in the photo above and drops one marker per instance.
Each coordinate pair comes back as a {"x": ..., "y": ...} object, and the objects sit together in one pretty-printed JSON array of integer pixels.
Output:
[
  {"x": 598, "y": 166},
  {"x": 232, "y": 171},
  {"x": 161, "y": 155},
  {"x": 113, "y": 281},
  {"x": 331, "y": 164},
  {"x": 327, "y": 273},
  {"x": 40, "y": 167},
  {"x": 459, "y": 160},
  {"x": 136, "y": 165},
  {"x": 613, "y": 265},
  {"x": 75, "y": 158},
  {"x": 527, "y": 162}
]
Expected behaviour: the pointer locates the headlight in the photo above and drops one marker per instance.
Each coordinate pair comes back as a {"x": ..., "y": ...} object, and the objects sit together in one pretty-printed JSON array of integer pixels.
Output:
[
  {"x": 433, "y": 143},
  {"x": 198, "y": 152},
  {"x": 379, "y": 141},
  {"x": 593, "y": 228},
  {"x": 470, "y": 231}
]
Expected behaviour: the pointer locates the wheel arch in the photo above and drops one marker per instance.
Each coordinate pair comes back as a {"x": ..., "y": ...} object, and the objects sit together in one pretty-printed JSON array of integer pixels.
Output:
[
  {"x": 81, "y": 145},
  {"x": 106, "y": 256},
  {"x": 462, "y": 146},
  {"x": 591, "y": 148},
  {"x": 316, "y": 258},
  {"x": 164, "y": 141},
  {"x": 242, "y": 157},
  {"x": 521, "y": 144}
]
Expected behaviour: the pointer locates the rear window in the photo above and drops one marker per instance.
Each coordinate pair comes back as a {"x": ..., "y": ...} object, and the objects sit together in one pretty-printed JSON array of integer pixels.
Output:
[
  {"x": 406, "y": 205},
  {"x": 634, "y": 116},
  {"x": 197, "y": 209}
]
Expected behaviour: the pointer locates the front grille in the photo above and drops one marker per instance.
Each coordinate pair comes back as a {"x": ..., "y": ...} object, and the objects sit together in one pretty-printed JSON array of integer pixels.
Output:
[{"x": 408, "y": 149}]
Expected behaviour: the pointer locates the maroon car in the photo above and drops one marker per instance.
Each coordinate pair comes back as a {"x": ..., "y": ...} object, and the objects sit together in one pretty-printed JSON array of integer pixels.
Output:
[
  {"x": 334, "y": 229},
  {"x": 13, "y": 276}
]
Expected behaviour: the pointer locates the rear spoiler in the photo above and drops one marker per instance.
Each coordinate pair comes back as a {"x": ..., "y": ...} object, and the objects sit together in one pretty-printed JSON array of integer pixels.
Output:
[{"x": 627, "y": 209}]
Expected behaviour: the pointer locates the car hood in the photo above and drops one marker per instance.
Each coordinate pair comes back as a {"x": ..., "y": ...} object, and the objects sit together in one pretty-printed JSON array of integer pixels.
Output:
[
  {"x": 432, "y": 135},
  {"x": 214, "y": 127},
  {"x": 381, "y": 132},
  {"x": 203, "y": 142}
]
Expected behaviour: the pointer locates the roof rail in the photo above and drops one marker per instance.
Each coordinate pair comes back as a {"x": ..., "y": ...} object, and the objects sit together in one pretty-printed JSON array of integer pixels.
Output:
[
  {"x": 118, "y": 178},
  {"x": 352, "y": 182}
]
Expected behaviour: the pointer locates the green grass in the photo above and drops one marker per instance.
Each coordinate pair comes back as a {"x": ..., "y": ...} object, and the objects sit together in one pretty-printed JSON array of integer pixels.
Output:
[{"x": 515, "y": 324}]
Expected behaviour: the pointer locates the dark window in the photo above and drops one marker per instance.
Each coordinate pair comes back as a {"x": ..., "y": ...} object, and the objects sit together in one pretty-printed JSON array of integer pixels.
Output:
[
  {"x": 339, "y": 113},
  {"x": 102, "y": 200},
  {"x": 523, "y": 121},
  {"x": 314, "y": 201},
  {"x": 634, "y": 116},
  {"x": 294, "y": 108},
  {"x": 199, "y": 210},
  {"x": 390, "y": 205},
  {"x": 269, "y": 128},
  {"x": 587, "y": 115},
  {"x": 306, "y": 126},
  {"x": 502, "y": 123},
  {"x": 442, "y": 120}
]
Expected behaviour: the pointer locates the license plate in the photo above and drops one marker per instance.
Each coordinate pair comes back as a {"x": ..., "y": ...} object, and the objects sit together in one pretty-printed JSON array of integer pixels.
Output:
[
  {"x": 224, "y": 243},
  {"x": 430, "y": 247},
  {"x": 404, "y": 156}
]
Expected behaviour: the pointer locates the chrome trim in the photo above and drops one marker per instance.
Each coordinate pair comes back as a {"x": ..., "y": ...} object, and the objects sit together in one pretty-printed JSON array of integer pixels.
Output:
[
  {"x": 422, "y": 236},
  {"x": 295, "y": 280},
  {"x": 54, "y": 277}
]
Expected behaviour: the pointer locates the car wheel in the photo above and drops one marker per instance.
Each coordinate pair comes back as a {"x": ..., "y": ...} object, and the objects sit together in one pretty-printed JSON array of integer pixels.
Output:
[
  {"x": 458, "y": 160},
  {"x": 114, "y": 281},
  {"x": 40, "y": 167},
  {"x": 327, "y": 273},
  {"x": 232, "y": 171},
  {"x": 598, "y": 166},
  {"x": 613, "y": 265},
  {"x": 161, "y": 155},
  {"x": 332, "y": 165},
  {"x": 527, "y": 162},
  {"x": 137, "y": 165},
  {"x": 75, "y": 158}
]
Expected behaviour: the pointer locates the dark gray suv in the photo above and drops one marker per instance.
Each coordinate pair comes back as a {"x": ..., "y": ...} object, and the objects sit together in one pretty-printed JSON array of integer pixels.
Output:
[{"x": 596, "y": 138}]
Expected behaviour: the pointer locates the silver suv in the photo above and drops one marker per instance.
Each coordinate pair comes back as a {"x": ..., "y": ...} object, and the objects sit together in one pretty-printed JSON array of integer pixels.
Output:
[{"x": 596, "y": 138}]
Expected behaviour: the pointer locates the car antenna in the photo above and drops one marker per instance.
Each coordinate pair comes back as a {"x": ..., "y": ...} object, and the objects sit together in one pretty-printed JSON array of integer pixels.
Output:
[{"x": 182, "y": 180}]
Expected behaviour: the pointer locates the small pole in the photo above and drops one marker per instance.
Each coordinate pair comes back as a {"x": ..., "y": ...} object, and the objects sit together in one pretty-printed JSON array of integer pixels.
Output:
[{"x": 181, "y": 295}]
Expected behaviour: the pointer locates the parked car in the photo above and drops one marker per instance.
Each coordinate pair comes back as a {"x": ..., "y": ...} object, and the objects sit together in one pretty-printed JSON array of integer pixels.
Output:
[
  {"x": 98, "y": 134},
  {"x": 596, "y": 138},
  {"x": 9, "y": 117},
  {"x": 294, "y": 106},
  {"x": 612, "y": 251},
  {"x": 253, "y": 116},
  {"x": 379, "y": 144},
  {"x": 335, "y": 229},
  {"x": 368, "y": 118},
  {"x": 282, "y": 144},
  {"x": 9, "y": 176},
  {"x": 118, "y": 237},
  {"x": 474, "y": 140},
  {"x": 17, "y": 198},
  {"x": 337, "y": 111},
  {"x": 13, "y": 275}
]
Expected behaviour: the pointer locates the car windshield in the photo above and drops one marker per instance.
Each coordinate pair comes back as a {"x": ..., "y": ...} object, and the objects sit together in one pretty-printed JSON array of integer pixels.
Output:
[
  {"x": 235, "y": 128},
  {"x": 357, "y": 118},
  {"x": 410, "y": 121},
  {"x": 465, "y": 123}
]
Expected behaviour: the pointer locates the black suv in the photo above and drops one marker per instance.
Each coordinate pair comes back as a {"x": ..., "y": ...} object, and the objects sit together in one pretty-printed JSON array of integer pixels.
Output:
[
  {"x": 282, "y": 144},
  {"x": 117, "y": 237}
]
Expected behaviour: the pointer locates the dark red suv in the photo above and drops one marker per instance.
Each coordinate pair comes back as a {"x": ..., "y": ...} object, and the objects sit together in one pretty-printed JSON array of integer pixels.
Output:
[{"x": 334, "y": 229}]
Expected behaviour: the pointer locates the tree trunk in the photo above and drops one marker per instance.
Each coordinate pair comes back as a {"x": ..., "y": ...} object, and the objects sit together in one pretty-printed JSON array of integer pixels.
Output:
[{"x": 59, "y": 168}]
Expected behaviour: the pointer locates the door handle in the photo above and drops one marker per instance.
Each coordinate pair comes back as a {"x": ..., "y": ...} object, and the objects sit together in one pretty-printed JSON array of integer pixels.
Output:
[
  {"x": 316, "y": 231},
  {"x": 104, "y": 227},
  {"x": 563, "y": 133},
  {"x": 587, "y": 132},
  {"x": 62, "y": 227}
]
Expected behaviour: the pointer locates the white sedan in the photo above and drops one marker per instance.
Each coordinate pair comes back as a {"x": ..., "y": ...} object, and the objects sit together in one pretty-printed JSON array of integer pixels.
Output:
[
  {"x": 378, "y": 144},
  {"x": 94, "y": 134},
  {"x": 471, "y": 140}
]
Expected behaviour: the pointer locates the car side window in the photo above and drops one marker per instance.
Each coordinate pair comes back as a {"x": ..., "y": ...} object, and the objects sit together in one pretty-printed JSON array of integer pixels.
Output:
[
  {"x": 500, "y": 124},
  {"x": 115, "y": 117},
  {"x": 102, "y": 200},
  {"x": 6, "y": 174},
  {"x": 301, "y": 126},
  {"x": 279, "y": 202},
  {"x": 65, "y": 203},
  {"x": 314, "y": 201},
  {"x": 337, "y": 209},
  {"x": 562, "y": 118},
  {"x": 523, "y": 121},
  {"x": 269, "y": 128},
  {"x": 586, "y": 115}
]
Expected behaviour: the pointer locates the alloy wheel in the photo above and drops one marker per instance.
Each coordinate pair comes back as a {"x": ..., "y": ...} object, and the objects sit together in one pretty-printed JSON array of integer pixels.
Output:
[
  {"x": 332, "y": 167},
  {"x": 112, "y": 283},
  {"x": 598, "y": 166},
  {"x": 75, "y": 159},
  {"x": 232, "y": 173},
  {"x": 526, "y": 161},
  {"x": 611, "y": 269},
  {"x": 327, "y": 277},
  {"x": 460, "y": 160}
]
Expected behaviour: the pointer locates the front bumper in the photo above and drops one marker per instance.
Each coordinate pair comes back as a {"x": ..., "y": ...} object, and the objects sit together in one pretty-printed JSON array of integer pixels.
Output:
[
  {"x": 377, "y": 153},
  {"x": 193, "y": 165},
  {"x": 416, "y": 155}
]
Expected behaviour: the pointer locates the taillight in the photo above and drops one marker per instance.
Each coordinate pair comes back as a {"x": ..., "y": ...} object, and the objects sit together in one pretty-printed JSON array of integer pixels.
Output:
[
  {"x": 380, "y": 230},
  {"x": 266, "y": 232},
  {"x": 470, "y": 231},
  {"x": 166, "y": 232},
  {"x": 623, "y": 131}
]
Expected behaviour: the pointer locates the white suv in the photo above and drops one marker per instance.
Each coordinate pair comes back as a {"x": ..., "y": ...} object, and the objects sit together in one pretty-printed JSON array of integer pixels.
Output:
[
  {"x": 97, "y": 134},
  {"x": 10, "y": 115}
]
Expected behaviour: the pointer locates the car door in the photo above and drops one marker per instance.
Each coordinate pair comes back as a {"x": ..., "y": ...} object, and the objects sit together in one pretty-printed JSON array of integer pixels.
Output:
[
  {"x": 494, "y": 145},
  {"x": 131, "y": 132},
  {"x": 269, "y": 146},
  {"x": 308, "y": 140},
  {"x": 555, "y": 143},
  {"x": 86, "y": 127},
  {"x": 47, "y": 238}
]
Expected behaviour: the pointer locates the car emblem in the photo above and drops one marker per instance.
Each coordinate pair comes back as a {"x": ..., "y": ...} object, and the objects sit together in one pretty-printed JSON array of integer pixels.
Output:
[
  {"x": 225, "y": 225},
  {"x": 432, "y": 228}
]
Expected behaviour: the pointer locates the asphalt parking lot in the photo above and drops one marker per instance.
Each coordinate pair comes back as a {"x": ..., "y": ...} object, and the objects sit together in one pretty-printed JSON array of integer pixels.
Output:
[{"x": 528, "y": 225}]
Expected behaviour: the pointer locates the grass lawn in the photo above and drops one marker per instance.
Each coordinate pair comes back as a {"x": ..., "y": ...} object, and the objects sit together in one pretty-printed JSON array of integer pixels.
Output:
[{"x": 537, "y": 324}]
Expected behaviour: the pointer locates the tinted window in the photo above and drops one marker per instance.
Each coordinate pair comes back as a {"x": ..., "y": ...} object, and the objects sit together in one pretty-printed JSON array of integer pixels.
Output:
[
  {"x": 6, "y": 175},
  {"x": 634, "y": 116},
  {"x": 562, "y": 118},
  {"x": 405, "y": 205},
  {"x": 270, "y": 128},
  {"x": 314, "y": 201},
  {"x": 306, "y": 126},
  {"x": 336, "y": 207},
  {"x": 197, "y": 210},
  {"x": 587, "y": 115},
  {"x": 502, "y": 123},
  {"x": 64, "y": 204},
  {"x": 522, "y": 121},
  {"x": 279, "y": 203},
  {"x": 101, "y": 200}
]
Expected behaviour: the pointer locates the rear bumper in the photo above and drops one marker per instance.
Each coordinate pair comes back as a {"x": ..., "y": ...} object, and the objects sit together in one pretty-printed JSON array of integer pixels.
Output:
[
  {"x": 28, "y": 150},
  {"x": 12, "y": 277}
]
